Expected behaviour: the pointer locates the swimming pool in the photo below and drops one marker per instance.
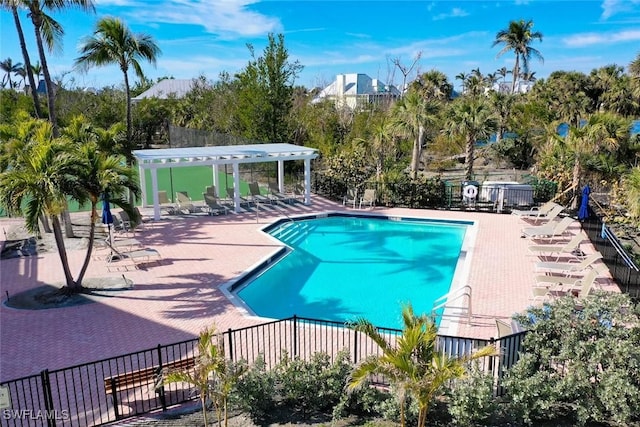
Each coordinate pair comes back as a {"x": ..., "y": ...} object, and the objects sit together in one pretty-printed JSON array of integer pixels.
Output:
[{"x": 344, "y": 267}]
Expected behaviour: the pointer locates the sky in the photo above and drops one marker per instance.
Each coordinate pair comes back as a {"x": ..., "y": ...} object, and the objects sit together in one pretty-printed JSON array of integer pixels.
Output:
[{"x": 329, "y": 37}]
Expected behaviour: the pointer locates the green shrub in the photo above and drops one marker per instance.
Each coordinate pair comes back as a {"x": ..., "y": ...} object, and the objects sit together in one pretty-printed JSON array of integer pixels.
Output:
[
  {"x": 363, "y": 401},
  {"x": 255, "y": 392},
  {"x": 579, "y": 360},
  {"x": 471, "y": 402}
]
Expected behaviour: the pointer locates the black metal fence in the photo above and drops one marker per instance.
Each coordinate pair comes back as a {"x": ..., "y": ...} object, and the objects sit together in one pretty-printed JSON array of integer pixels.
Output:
[
  {"x": 125, "y": 386},
  {"x": 620, "y": 264}
]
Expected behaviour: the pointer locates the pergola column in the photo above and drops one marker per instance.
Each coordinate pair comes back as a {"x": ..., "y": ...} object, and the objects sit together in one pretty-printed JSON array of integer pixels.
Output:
[
  {"x": 236, "y": 188},
  {"x": 216, "y": 178},
  {"x": 154, "y": 194},
  {"x": 281, "y": 176},
  {"x": 307, "y": 181},
  {"x": 143, "y": 186}
]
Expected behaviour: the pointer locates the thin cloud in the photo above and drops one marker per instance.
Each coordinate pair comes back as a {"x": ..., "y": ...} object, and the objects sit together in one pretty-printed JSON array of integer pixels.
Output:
[
  {"x": 616, "y": 7},
  {"x": 591, "y": 39},
  {"x": 227, "y": 19},
  {"x": 456, "y": 12}
]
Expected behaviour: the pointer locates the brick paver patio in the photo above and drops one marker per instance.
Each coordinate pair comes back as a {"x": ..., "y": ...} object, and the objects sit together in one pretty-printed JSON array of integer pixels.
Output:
[{"x": 178, "y": 297}]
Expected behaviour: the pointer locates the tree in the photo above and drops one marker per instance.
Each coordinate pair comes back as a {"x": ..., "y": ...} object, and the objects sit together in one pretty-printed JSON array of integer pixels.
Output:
[
  {"x": 9, "y": 68},
  {"x": 113, "y": 43},
  {"x": 265, "y": 93},
  {"x": 579, "y": 359},
  {"x": 413, "y": 364},
  {"x": 411, "y": 116},
  {"x": 49, "y": 31},
  {"x": 518, "y": 38},
  {"x": 45, "y": 171},
  {"x": 473, "y": 120},
  {"x": 213, "y": 375},
  {"x": 433, "y": 85},
  {"x": 13, "y": 6}
]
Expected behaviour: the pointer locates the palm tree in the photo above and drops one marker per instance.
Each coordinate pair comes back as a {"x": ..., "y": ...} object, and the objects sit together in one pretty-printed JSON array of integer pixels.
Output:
[
  {"x": 44, "y": 171},
  {"x": 113, "y": 43},
  {"x": 472, "y": 119},
  {"x": 463, "y": 79},
  {"x": 49, "y": 31},
  {"x": 502, "y": 104},
  {"x": 9, "y": 68},
  {"x": 518, "y": 38},
  {"x": 13, "y": 6},
  {"x": 413, "y": 364},
  {"x": 213, "y": 375},
  {"x": 411, "y": 116},
  {"x": 433, "y": 85}
]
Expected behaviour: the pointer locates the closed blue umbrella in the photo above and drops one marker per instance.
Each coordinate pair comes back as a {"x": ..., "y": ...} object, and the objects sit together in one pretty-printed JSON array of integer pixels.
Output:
[
  {"x": 107, "y": 218},
  {"x": 583, "y": 212}
]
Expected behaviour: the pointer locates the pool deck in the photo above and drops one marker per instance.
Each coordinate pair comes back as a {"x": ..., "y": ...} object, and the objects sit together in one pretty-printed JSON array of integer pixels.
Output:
[{"x": 176, "y": 298}]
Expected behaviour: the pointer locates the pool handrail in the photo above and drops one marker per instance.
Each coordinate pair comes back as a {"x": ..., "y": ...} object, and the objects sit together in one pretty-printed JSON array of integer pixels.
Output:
[{"x": 456, "y": 293}]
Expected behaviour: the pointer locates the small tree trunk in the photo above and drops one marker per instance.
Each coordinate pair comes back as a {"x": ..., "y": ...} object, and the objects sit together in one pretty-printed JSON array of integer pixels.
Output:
[
  {"x": 203, "y": 400},
  {"x": 92, "y": 229},
  {"x": 72, "y": 287},
  {"x": 575, "y": 182},
  {"x": 45, "y": 223},
  {"x": 469, "y": 159},
  {"x": 68, "y": 226}
]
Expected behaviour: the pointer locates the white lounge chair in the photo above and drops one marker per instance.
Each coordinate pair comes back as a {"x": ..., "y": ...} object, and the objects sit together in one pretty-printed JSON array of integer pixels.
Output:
[
  {"x": 165, "y": 203},
  {"x": 569, "y": 267},
  {"x": 123, "y": 260},
  {"x": 581, "y": 286},
  {"x": 535, "y": 213},
  {"x": 276, "y": 196},
  {"x": 504, "y": 328},
  {"x": 231, "y": 195},
  {"x": 368, "y": 198},
  {"x": 572, "y": 246},
  {"x": 548, "y": 231}
]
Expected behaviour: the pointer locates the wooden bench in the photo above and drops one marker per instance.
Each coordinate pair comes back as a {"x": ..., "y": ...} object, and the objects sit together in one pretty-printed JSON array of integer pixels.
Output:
[{"x": 144, "y": 377}]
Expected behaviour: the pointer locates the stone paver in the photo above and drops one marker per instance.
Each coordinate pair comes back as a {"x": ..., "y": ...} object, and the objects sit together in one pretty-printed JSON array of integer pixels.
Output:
[{"x": 178, "y": 297}]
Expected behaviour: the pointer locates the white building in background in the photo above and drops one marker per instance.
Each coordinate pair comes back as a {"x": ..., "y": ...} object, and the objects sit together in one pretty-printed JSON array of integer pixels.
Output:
[
  {"x": 522, "y": 86},
  {"x": 357, "y": 91},
  {"x": 164, "y": 89}
]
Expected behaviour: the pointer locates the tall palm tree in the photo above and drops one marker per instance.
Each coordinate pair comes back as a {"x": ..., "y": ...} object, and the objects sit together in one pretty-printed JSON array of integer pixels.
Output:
[
  {"x": 433, "y": 85},
  {"x": 473, "y": 120},
  {"x": 411, "y": 116},
  {"x": 13, "y": 6},
  {"x": 10, "y": 69},
  {"x": 113, "y": 43},
  {"x": 502, "y": 104},
  {"x": 48, "y": 31},
  {"x": 413, "y": 364},
  {"x": 518, "y": 38},
  {"x": 463, "y": 79}
]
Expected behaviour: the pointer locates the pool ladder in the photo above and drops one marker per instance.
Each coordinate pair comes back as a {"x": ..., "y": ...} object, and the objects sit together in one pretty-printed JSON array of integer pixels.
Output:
[{"x": 452, "y": 296}]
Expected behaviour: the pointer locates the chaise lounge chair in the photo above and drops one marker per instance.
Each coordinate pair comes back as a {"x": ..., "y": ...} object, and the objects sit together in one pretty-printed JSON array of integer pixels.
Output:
[
  {"x": 572, "y": 246},
  {"x": 276, "y": 196},
  {"x": 557, "y": 286},
  {"x": 368, "y": 198},
  {"x": 256, "y": 195},
  {"x": 123, "y": 260},
  {"x": 535, "y": 213},
  {"x": 548, "y": 231},
  {"x": 185, "y": 202},
  {"x": 165, "y": 203},
  {"x": 569, "y": 267},
  {"x": 213, "y": 207},
  {"x": 504, "y": 328}
]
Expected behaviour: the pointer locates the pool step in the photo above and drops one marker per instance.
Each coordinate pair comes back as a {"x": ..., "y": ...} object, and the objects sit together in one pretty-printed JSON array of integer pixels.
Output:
[{"x": 293, "y": 232}]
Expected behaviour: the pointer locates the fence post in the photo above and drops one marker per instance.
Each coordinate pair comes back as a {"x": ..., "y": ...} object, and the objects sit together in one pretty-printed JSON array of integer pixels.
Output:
[
  {"x": 355, "y": 347},
  {"x": 229, "y": 333},
  {"x": 160, "y": 391},
  {"x": 48, "y": 397},
  {"x": 295, "y": 335}
]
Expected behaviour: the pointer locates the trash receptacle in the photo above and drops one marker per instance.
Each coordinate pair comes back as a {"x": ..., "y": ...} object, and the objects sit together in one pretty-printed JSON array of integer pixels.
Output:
[{"x": 470, "y": 191}]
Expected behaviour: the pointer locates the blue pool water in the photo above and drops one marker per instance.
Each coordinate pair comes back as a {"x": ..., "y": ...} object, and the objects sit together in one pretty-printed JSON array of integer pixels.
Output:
[{"x": 341, "y": 268}]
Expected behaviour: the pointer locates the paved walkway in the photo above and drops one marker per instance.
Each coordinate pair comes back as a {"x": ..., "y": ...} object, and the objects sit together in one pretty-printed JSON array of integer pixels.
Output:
[{"x": 178, "y": 297}]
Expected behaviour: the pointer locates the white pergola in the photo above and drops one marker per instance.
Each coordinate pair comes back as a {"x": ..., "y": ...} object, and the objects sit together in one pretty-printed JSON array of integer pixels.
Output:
[{"x": 222, "y": 155}]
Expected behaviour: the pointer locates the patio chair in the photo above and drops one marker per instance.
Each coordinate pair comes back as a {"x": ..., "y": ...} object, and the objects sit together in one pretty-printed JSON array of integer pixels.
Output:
[
  {"x": 559, "y": 285},
  {"x": 213, "y": 207},
  {"x": 231, "y": 195},
  {"x": 185, "y": 202},
  {"x": 276, "y": 195},
  {"x": 165, "y": 203},
  {"x": 123, "y": 260},
  {"x": 569, "y": 267},
  {"x": 549, "y": 230},
  {"x": 256, "y": 195},
  {"x": 573, "y": 246},
  {"x": 551, "y": 215},
  {"x": 535, "y": 213},
  {"x": 368, "y": 198},
  {"x": 211, "y": 189},
  {"x": 350, "y": 198}
]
